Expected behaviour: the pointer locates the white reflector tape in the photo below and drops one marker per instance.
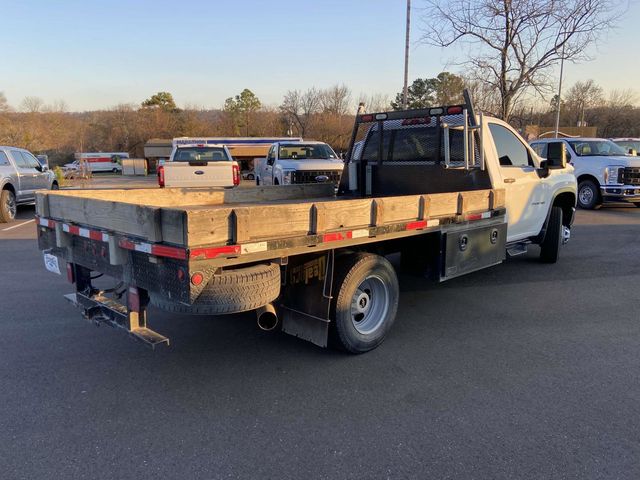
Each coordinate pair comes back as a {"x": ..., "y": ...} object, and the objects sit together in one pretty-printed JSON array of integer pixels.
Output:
[
  {"x": 253, "y": 247},
  {"x": 143, "y": 247},
  {"x": 105, "y": 237},
  {"x": 65, "y": 227},
  {"x": 84, "y": 232},
  {"x": 433, "y": 223},
  {"x": 486, "y": 215},
  {"x": 44, "y": 222},
  {"x": 363, "y": 232}
]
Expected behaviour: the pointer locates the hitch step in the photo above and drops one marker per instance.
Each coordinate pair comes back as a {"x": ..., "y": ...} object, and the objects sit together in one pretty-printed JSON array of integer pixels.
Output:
[
  {"x": 99, "y": 309},
  {"x": 517, "y": 249}
]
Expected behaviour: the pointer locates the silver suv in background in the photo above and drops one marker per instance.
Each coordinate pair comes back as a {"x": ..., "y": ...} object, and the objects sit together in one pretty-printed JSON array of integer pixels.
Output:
[{"x": 20, "y": 176}]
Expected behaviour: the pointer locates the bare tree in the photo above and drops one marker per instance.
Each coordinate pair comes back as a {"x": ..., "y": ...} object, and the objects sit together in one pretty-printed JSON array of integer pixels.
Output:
[
  {"x": 299, "y": 107},
  {"x": 622, "y": 98},
  {"x": 375, "y": 102},
  {"x": 32, "y": 104},
  {"x": 581, "y": 97},
  {"x": 515, "y": 43},
  {"x": 4, "y": 105},
  {"x": 336, "y": 100}
]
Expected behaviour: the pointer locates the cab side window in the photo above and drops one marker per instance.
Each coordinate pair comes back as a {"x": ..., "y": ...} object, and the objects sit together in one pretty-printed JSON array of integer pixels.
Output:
[
  {"x": 21, "y": 162},
  {"x": 271, "y": 155},
  {"x": 511, "y": 151},
  {"x": 4, "y": 160},
  {"x": 31, "y": 160}
]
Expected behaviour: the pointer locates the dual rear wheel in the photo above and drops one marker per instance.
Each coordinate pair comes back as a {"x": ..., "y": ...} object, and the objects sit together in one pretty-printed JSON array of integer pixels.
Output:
[{"x": 365, "y": 303}]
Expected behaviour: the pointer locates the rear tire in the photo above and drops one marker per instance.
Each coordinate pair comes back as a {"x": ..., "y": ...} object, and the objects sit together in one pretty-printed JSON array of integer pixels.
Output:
[
  {"x": 550, "y": 246},
  {"x": 55, "y": 186},
  {"x": 8, "y": 207},
  {"x": 236, "y": 290},
  {"x": 589, "y": 195},
  {"x": 366, "y": 302}
]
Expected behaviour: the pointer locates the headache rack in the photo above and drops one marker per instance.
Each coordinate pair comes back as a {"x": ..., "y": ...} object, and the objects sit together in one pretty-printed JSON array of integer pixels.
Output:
[{"x": 423, "y": 142}]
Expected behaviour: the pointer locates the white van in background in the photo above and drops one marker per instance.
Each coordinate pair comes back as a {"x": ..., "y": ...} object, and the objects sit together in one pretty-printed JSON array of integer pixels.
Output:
[{"x": 98, "y": 162}]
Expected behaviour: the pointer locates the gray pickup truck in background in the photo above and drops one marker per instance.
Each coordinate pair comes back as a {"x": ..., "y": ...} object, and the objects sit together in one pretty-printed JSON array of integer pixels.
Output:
[{"x": 20, "y": 176}]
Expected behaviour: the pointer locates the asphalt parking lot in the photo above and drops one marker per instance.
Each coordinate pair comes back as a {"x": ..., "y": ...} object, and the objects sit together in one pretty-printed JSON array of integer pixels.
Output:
[{"x": 522, "y": 370}]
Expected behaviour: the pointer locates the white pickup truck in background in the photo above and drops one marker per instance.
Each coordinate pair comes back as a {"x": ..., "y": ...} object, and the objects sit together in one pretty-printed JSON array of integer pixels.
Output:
[
  {"x": 199, "y": 165},
  {"x": 604, "y": 170},
  {"x": 299, "y": 162}
]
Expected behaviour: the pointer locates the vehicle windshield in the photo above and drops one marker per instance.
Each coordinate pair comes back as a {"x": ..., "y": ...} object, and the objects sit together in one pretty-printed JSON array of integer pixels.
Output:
[
  {"x": 627, "y": 145},
  {"x": 300, "y": 151},
  {"x": 200, "y": 154},
  {"x": 589, "y": 148}
]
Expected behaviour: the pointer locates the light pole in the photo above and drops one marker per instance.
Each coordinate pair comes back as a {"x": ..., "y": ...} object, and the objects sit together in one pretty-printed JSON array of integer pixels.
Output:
[
  {"x": 559, "y": 93},
  {"x": 406, "y": 57}
]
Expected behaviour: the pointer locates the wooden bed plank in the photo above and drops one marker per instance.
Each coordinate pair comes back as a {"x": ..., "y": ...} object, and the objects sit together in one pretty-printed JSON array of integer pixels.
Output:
[
  {"x": 139, "y": 220},
  {"x": 211, "y": 224}
]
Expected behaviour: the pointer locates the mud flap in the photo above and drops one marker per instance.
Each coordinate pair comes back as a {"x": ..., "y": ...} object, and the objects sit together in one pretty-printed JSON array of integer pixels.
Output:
[{"x": 306, "y": 301}]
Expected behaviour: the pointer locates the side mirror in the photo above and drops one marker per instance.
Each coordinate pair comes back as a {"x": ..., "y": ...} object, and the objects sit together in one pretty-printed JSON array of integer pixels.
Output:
[
  {"x": 270, "y": 161},
  {"x": 556, "y": 155},
  {"x": 39, "y": 168}
]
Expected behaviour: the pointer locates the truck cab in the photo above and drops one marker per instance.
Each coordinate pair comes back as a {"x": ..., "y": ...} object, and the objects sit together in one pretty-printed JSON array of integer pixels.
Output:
[
  {"x": 299, "y": 162},
  {"x": 605, "y": 171},
  {"x": 435, "y": 153}
]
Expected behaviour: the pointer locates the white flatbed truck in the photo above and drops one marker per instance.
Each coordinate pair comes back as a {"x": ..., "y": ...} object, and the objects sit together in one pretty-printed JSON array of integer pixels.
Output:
[{"x": 442, "y": 186}]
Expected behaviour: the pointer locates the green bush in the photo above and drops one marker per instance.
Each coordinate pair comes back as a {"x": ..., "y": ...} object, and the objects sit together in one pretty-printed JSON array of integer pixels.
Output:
[{"x": 59, "y": 176}]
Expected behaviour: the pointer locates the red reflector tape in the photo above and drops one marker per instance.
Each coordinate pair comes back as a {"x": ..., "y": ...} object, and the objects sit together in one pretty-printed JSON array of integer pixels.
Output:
[
  {"x": 333, "y": 237},
  {"x": 478, "y": 216},
  {"x": 208, "y": 253},
  {"x": 128, "y": 244},
  {"x": 171, "y": 252},
  {"x": 45, "y": 222},
  {"x": 416, "y": 225}
]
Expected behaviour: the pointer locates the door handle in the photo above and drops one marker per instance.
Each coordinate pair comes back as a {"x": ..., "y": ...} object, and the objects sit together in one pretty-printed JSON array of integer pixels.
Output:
[{"x": 509, "y": 180}]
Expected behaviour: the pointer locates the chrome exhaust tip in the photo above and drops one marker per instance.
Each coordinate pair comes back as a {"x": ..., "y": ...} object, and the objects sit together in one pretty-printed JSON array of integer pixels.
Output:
[{"x": 267, "y": 317}]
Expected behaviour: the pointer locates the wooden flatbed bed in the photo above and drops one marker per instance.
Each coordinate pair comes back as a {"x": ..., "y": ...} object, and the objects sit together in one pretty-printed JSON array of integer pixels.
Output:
[{"x": 196, "y": 218}]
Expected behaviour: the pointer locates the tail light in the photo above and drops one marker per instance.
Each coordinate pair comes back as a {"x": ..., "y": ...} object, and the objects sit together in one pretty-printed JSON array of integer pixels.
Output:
[
  {"x": 236, "y": 174},
  {"x": 71, "y": 275},
  {"x": 161, "y": 176}
]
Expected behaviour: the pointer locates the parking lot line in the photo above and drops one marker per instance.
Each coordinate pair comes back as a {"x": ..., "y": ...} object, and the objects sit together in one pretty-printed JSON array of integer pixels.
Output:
[{"x": 16, "y": 226}]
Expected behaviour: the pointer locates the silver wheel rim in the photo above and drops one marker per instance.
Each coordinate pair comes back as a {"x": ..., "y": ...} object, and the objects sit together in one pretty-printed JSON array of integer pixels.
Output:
[
  {"x": 586, "y": 195},
  {"x": 11, "y": 205},
  {"x": 369, "y": 305}
]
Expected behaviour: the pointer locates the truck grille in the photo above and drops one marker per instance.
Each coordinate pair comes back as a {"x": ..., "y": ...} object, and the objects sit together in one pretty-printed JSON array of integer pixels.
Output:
[
  {"x": 310, "y": 176},
  {"x": 630, "y": 176}
]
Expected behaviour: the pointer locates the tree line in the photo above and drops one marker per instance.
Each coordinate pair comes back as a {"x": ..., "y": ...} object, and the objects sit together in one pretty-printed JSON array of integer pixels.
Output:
[{"x": 321, "y": 114}]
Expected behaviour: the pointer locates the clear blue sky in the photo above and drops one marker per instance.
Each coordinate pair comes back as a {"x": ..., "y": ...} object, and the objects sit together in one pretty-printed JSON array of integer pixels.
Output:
[{"x": 96, "y": 54}]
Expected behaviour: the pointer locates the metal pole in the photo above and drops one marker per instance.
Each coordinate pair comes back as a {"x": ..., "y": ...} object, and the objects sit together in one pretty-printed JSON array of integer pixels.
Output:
[
  {"x": 406, "y": 58},
  {"x": 559, "y": 94}
]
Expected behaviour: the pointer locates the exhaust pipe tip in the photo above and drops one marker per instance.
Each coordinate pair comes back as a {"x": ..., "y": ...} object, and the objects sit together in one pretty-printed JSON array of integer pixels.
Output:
[{"x": 267, "y": 317}]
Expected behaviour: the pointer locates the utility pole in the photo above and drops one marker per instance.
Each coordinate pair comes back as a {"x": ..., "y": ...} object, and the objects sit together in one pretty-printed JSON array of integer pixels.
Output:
[
  {"x": 559, "y": 93},
  {"x": 406, "y": 57}
]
